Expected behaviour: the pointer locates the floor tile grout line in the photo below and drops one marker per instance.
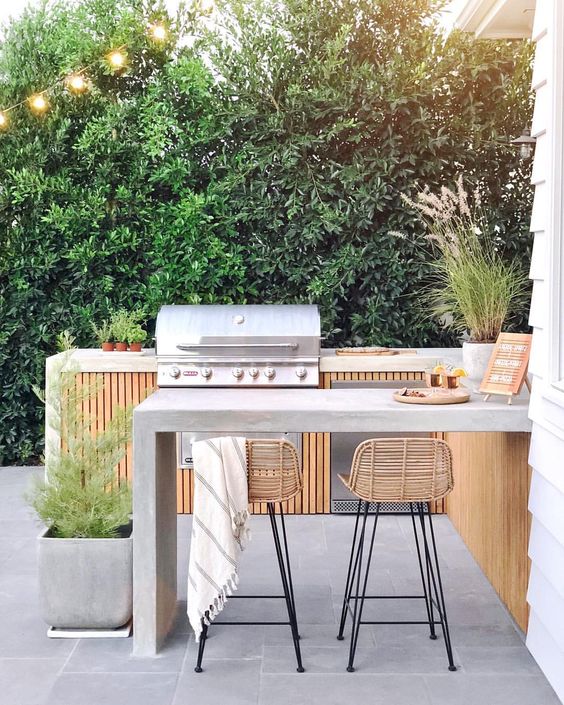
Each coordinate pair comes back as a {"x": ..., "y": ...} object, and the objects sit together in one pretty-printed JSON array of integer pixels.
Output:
[{"x": 74, "y": 648}]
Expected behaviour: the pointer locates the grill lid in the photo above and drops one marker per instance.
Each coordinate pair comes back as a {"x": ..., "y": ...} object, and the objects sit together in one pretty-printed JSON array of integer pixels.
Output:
[{"x": 270, "y": 330}]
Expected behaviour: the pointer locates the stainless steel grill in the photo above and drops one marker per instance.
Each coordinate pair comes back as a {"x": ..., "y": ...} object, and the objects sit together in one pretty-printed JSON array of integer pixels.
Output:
[{"x": 246, "y": 346}]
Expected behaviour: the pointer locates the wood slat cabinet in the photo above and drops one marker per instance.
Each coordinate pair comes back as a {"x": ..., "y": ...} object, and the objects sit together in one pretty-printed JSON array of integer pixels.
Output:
[{"x": 488, "y": 508}]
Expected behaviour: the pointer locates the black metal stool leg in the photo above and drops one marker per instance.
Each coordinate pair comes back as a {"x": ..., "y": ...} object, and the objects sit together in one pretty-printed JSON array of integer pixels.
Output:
[
  {"x": 285, "y": 586},
  {"x": 359, "y": 598},
  {"x": 424, "y": 582},
  {"x": 433, "y": 565},
  {"x": 201, "y": 647},
  {"x": 350, "y": 576},
  {"x": 289, "y": 570}
]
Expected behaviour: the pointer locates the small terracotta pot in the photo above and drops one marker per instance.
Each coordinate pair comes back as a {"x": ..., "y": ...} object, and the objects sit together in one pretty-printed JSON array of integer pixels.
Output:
[
  {"x": 122, "y": 347},
  {"x": 135, "y": 347},
  {"x": 108, "y": 347}
]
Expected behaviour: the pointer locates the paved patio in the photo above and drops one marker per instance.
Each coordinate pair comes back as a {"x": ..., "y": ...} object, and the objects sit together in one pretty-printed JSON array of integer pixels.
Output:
[{"x": 244, "y": 665}]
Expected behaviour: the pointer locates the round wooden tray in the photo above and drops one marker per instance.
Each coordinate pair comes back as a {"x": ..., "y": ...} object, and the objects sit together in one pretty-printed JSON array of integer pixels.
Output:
[{"x": 458, "y": 396}]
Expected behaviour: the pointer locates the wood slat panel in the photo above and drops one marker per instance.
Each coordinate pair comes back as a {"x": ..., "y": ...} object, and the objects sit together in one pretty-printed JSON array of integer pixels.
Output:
[{"x": 488, "y": 507}]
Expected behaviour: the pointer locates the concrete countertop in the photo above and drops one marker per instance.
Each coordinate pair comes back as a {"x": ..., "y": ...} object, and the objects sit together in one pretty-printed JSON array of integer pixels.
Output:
[
  {"x": 95, "y": 360},
  {"x": 422, "y": 360},
  {"x": 321, "y": 410}
]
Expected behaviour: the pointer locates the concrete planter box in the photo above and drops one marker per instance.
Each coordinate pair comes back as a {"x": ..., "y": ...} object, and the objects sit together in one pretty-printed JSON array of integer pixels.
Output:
[{"x": 86, "y": 583}]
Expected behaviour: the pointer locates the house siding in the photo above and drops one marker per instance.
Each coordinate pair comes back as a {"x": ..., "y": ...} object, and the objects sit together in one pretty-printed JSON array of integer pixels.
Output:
[{"x": 545, "y": 635}]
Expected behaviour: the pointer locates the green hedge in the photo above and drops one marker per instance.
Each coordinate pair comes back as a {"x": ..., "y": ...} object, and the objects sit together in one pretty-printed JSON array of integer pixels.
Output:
[{"x": 261, "y": 163}]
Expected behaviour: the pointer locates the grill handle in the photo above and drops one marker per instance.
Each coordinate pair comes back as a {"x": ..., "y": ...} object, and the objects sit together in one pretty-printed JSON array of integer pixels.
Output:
[{"x": 232, "y": 346}]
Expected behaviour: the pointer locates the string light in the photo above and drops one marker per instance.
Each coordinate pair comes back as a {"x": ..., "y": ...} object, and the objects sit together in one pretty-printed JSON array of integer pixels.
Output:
[
  {"x": 158, "y": 32},
  {"x": 76, "y": 83},
  {"x": 116, "y": 59},
  {"x": 38, "y": 104}
]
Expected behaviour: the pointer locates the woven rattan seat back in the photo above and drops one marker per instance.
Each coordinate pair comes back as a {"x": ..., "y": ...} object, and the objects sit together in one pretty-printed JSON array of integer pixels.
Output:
[
  {"x": 401, "y": 470},
  {"x": 273, "y": 470}
]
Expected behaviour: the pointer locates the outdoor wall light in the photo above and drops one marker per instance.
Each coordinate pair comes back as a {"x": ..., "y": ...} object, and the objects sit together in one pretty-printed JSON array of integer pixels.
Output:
[
  {"x": 3, "y": 121},
  {"x": 525, "y": 143},
  {"x": 38, "y": 104}
]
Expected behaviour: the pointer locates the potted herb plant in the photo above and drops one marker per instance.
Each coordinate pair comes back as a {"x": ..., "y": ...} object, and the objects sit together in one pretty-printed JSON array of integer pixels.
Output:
[
  {"x": 126, "y": 329},
  {"x": 85, "y": 551},
  {"x": 104, "y": 335},
  {"x": 136, "y": 336},
  {"x": 476, "y": 290},
  {"x": 120, "y": 323}
]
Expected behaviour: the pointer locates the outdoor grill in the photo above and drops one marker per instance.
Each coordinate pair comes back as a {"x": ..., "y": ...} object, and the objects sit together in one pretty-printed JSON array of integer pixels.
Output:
[{"x": 245, "y": 346}]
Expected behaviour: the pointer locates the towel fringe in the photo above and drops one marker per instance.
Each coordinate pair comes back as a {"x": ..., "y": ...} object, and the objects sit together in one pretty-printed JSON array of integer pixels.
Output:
[{"x": 219, "y": 603}]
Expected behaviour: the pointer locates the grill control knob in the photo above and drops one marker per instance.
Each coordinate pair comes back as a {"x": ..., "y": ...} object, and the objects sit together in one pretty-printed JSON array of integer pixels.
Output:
[
  {"x": 174, "y": 372},
  {"x": 270, "y": 373},
  {"x": 254, "y": 373},
  {"x": 301, "y": 372},
  {"x": 206, "y": 372},
  {"x": 237, "y": 372}
]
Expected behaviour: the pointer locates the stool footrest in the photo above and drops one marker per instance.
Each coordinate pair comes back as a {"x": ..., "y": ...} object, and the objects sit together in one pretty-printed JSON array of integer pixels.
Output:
[
  {"x": 393, "y": 597},
  {"x": 248, "y": 624},
  {"x": 402, "y": 622},
  {"x": 257, "y": 597}
]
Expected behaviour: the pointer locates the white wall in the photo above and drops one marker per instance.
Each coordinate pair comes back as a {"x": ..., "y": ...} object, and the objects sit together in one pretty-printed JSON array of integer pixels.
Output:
[{"x": 545, "y": 636}]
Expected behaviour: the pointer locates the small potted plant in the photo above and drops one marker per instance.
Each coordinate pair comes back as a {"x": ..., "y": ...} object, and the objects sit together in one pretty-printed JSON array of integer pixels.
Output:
[
  {"x": 476, "y": 290},
  {"x": 136, "y": 336},
  {"x": 85, "y": 551},
  {"x": 120, "y": 323},
  {"x": 103, "y": 333},
  {"x": 126, "y": 328}
]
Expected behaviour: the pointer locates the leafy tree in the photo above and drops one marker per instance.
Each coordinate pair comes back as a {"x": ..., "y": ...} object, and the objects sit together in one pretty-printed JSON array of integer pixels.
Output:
[{"x": 332, "y": 110}]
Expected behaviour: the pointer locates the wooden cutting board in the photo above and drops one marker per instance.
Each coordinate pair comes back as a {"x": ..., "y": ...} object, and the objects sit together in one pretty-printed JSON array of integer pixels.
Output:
[
  {"x": 375, "y": 351},
  {"x": 440, "y": 397}
]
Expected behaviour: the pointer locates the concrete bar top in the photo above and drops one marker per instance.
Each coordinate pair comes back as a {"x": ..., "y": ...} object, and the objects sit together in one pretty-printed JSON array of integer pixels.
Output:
[{"x": 322, "y": 410}]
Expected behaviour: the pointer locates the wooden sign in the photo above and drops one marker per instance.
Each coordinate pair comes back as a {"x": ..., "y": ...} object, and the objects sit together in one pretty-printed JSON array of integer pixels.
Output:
[{"x": 508, "y": 365}]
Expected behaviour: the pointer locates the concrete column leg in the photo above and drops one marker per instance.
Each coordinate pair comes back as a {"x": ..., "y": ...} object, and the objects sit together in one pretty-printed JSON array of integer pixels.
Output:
[{"x": 154, "y": 538}]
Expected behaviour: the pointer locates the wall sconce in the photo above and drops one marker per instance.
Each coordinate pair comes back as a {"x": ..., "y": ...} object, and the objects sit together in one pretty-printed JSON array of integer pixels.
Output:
[{"x": 525, "y": 143}]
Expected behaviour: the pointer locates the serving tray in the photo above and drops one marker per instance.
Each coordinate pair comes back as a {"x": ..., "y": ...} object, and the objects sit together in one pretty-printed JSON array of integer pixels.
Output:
[{"x": 440, "y": 397}]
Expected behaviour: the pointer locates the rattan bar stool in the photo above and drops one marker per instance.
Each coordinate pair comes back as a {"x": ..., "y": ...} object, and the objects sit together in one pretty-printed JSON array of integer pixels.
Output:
[
  {"x": 393, "y": 470},
  {"x": 274, "y": 476}
]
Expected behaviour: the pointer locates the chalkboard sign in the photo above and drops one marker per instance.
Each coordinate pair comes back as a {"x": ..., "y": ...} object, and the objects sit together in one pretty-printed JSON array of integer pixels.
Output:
[{"x": 507, "y": 368}]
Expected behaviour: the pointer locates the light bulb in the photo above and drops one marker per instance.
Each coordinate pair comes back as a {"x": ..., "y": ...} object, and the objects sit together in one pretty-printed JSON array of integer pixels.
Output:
[
  {"x": 158, "y": 32},
  {"x": 38, "y": 103},
  {"x": 3, "y": 121},
  {"x": 76, "y": 83},
  {"x": 116, "y": 59}
]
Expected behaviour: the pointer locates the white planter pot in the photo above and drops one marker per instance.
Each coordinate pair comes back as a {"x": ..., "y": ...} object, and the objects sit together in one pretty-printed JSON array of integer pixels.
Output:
[
  {"x": 85, "y": 583},
  {"x": 475, "y": 359}
]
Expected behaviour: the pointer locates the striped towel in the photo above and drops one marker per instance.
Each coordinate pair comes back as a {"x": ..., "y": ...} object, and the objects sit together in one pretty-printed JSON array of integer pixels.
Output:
[{"x": 219, "y": 526}]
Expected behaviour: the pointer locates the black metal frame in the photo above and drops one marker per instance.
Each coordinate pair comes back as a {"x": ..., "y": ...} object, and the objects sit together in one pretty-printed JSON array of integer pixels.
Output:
[
  {"x": 433, "y": 593},
  {"x": 283, "y": 557}
]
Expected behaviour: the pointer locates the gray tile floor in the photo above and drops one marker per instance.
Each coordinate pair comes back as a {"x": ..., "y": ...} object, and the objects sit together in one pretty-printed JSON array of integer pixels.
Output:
[{"x": 255, "y": 665}]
